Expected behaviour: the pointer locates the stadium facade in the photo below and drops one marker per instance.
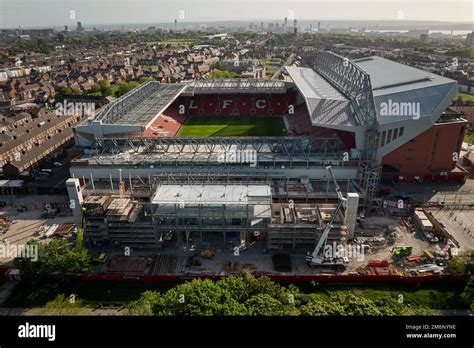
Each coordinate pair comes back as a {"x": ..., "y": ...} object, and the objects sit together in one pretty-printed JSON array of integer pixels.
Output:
[{"x": 370, "y": 119}]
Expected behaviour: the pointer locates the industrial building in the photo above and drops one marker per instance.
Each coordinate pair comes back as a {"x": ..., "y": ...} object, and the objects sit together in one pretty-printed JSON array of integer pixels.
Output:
[
  {"x": 369, "y": 119},
  {"x": 224, "y": 215}
]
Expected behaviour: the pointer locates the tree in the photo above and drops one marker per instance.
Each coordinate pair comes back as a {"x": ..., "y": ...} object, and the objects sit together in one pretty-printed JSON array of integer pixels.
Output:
[
  {"x": 103, "y": 83},
  {"x": 133, "y": 84},
  {"x": 106, "y": 91},
  {"x": 199, "y": 297},
  {"x": 355, "y": 305},
  {"x": 123, "y": 88},
  {"x": 62, "y": 93},
  {"x": 55, "y": 261},
  {"x": 144, "y": 79},
  {"x": 76, "y": 91},
  {"x": 462, "y": 264},
  {"x": 105, "y": 88},
  {"x": 221, "y": 74},
  {"x": 144, "y": 305},
  {"x": 247, "y": 295},
  {"x": 95, "y": 88},
  {"x": 264, "y": 305},
  {"x": 42, "y": 46},
  {"x": 318, "y": 306},
  {"x": 62, "y": 305},
  {"x": 243, "y": 295}
]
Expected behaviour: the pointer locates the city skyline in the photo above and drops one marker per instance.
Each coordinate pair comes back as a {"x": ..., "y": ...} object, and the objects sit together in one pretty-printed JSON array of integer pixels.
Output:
[{"x": 54, "y": 13}]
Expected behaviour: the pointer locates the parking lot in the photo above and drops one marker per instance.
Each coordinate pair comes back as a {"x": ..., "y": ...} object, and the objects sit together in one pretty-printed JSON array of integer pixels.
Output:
[{"x": 459, "y": 223}]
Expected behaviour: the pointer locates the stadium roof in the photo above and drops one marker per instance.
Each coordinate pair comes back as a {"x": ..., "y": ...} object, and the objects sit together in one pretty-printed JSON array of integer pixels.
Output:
[
  {"x": 326, "y": 105},
  {"x": 212, "y": 194},
  {"x": 389, "y": 76},
  {"x": 398, "y": 83},
  {"x": 142, "y": 105},
  {"x": 237, "y": 86}
]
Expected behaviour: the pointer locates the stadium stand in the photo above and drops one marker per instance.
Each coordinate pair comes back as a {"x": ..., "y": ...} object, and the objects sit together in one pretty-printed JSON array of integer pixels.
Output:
[
  {"x": 166, "y": 125},
  {"x": 236, "y": 104}
]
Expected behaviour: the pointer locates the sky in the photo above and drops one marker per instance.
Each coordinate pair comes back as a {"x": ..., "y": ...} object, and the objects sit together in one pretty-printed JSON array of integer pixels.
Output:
[{"x": 52, "y": 13}]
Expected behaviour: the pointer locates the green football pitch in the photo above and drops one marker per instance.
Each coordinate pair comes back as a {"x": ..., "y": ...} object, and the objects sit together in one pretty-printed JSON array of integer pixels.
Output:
[{"x": 232, "y": 126}]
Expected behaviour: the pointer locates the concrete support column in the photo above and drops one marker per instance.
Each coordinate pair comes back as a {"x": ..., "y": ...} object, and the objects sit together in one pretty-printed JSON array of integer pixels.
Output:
[
  {"x": 350, "y": 216},
  {"x": 75, "y": 196}
]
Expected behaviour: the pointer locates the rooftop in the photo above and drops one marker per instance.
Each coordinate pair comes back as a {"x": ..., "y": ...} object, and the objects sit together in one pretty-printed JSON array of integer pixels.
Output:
[
  {"x": 212, "y": 194},
  {"x": 237, "y": 86},
  {"x": 325, "y": 104},
  {"x": 387, "y": 76},
  {"x": 140, "y": 106},
  {"x": 396, "y": 83}
]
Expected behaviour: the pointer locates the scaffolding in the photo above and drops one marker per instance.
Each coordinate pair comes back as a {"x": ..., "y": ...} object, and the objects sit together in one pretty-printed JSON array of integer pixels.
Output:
[{"x": 156, "y": 151}]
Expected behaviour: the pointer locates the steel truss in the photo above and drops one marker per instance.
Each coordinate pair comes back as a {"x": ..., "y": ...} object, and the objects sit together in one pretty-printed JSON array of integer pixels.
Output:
[
  {"x": 236, "y": 86},
  {"x": 351, "y": 81},
  {"x": 210, "y": 178},
  {"x": 141, "y": 104},
  {"x": 355, "y": 84},
  {"x": 208, "y": 150}
]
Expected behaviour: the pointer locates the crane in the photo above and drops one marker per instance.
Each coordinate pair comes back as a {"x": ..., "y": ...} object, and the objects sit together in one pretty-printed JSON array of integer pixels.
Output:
[
  {"x": 338, "y": 189},
  {"x": 316, "y": 258}
]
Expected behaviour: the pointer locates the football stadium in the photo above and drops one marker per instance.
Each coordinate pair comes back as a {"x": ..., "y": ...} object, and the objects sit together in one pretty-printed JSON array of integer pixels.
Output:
[{"x": 295, "y": 162}]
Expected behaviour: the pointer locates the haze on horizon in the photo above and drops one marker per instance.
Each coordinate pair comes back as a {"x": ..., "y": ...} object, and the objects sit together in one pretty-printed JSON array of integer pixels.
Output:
[{"x": 53, "y": 13}]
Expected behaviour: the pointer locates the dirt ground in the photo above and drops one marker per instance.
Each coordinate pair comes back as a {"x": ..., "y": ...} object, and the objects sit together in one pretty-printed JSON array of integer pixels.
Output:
[
  {"x": 25, "y": 224},
  {"x": 377, "y": 226}
]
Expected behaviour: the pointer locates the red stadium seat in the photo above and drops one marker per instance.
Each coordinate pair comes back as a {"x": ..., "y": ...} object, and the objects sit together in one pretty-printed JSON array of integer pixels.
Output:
[{"x": 237, "y": 104}]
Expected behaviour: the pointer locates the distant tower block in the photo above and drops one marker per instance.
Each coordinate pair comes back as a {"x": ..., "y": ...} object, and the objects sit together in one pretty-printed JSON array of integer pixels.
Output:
[
  {"x": 75, "y": 198},
  {"x": 350, "y": 217}
]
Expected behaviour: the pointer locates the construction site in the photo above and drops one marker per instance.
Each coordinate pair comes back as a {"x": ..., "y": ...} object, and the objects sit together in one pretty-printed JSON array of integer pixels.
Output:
[
  {"x": 175, "y": 231},
  {"x": 177, "y": 174}
]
